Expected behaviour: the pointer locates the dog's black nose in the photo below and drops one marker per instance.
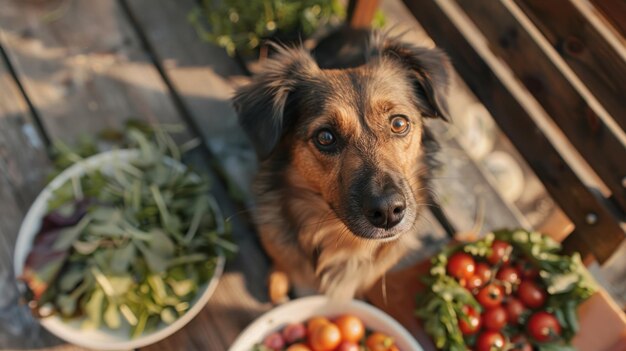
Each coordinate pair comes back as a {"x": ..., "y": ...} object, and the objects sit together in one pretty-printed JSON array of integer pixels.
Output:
[{"x": 385, "y": 210}]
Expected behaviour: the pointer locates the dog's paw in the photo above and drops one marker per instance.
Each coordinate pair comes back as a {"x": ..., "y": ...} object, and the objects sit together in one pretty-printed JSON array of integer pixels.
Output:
[{"x": 278, "y": 287}]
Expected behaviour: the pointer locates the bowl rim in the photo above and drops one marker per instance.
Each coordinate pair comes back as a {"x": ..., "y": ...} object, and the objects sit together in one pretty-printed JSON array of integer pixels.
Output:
[
  {"x": 321, "y": 300},
  {"x": 30, "y": 227}
]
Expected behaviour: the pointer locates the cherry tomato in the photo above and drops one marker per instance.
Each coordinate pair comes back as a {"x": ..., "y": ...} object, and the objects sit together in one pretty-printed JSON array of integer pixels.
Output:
[
  {"x": 531, "y": 294},
  {"x": 326, "y": 337},
  {"x": 315, "y": 322},
  {"x": 483, "y": 271},
  {"x": 500, "y": 251},
  {"x": 490, "y": 296},
  {"x": 294, "y": 332},
  {"x": 543, "y": 326},
  {"x": 461, "y": 265},
  {"x": 490, "y": 341},
  {"x": 348, "y": 346},
  {"x": 274, "y": 342},
  {"x": 380, "y": 342},
  {"x": 494, "y": 318},
  {"x": 514, "y": 309},
  {"x": 298, "y": 347},
  {"x": 527, "y": 270},
  {"x": 508, "y": 274},
  {"x": 520, "y": 344},
  {"x": 351, "y": 328},
  {"x": 474, "y": 282},
  {"x": 470, "y": 324}
]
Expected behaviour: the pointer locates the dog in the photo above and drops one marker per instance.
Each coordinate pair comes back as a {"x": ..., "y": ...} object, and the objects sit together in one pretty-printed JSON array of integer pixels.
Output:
[{"x": 345, "y": 159}]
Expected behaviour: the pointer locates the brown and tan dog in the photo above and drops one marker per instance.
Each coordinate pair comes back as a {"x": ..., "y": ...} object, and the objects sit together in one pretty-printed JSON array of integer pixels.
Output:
[{"x": 344, "y": 159}]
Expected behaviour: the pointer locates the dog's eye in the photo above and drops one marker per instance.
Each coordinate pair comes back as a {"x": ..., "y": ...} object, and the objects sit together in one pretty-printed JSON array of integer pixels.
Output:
[
  {"x": 325, "y": 138},
  {"x": 399, "y": 124}
]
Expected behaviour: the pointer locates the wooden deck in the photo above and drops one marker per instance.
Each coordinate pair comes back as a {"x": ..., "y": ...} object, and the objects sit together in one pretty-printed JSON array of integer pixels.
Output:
[{"x": 71, "y": 67}]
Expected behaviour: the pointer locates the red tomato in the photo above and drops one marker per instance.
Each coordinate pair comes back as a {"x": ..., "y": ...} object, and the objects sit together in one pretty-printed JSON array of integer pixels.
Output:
[
  {"x": 490, "y": 341},
  {"x": 514, "y": 309},
  {"x": 500, "y": 251},
  {"x": 325, "y": 337},
  {"x": 351, "y": 328},
  {"x": 294, "y": 332},
  {"x": 520, "y": 344},
  {"x": 461, "y": 265},
  {"x": 531, "y": 294},
  {"x": 483, "y": 271},
  {"x": 348, "y": 346},
  {"x": 490, "y": 296},
  {"x": 543, "y": 326},
  {"x": 274, "y": 342},
  {"x": 474, "y": 282},
  {"x": 527, "y": 270},
  {"x": 472, "y": 321},
  {"x": 508, "y": 274},
  {"x": 495, "y": 318}
]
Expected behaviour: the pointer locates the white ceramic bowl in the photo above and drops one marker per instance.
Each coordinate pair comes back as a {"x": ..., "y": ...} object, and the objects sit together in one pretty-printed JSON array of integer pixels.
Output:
[
  {"x": 300, "y": 310},
  {"x": 100, "y": 339}
]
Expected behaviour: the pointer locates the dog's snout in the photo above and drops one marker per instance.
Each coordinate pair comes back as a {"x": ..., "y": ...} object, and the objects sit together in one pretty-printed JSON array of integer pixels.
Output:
[{"x": 385, "y": 210}]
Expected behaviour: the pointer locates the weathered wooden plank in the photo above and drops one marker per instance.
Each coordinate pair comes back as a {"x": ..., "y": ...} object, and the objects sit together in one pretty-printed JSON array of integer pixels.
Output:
[
  {"x": 82, "y": 66},
  {"x": 615, "y": 12},
  {"x": 361, "y": 13},
  {"x": 23, "y": 162},
  {"x": 585, "y": 50},
  {"x": 574, "y": 198},
  {"x": 588, "y": 132}
]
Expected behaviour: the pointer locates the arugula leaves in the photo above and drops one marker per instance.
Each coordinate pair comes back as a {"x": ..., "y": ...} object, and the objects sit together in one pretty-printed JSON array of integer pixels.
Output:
[{"x": 127, "y": 245}]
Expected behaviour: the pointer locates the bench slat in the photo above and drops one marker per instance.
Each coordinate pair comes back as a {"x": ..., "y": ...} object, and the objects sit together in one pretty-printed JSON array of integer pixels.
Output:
[
  {"x": 586, "y": 131},
  {"x": 575, "y": 199},
  {"x": 614, "y": 11},
  {"x": 585, "y": 50}
]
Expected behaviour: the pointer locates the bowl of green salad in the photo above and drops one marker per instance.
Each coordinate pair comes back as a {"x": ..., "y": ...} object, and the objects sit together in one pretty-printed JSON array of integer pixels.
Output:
[{"x": 121, "y": 249}]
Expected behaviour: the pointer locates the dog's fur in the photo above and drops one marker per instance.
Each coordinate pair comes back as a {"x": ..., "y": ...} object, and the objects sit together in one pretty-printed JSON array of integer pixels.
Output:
[{"x": 309, "y": 202}]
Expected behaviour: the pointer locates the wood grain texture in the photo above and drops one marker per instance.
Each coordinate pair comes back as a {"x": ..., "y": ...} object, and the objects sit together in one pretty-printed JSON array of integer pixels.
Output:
[
  {"x": 615, "y": 12},
  {"x": 574, "y": 198},
  {"x": 23, "y": 164},
  {"x": 586, "y": 131},
  {"x": 361, "y": 13},
  {"x": 585, "y": 50},
  {"x": 82, "y": 66}
]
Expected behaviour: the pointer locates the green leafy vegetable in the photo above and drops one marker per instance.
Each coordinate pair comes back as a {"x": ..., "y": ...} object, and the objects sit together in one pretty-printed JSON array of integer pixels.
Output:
[{"x": 130, "y": 244}]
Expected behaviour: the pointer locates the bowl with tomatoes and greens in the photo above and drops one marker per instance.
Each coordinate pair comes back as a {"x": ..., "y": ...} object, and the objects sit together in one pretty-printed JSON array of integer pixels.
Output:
[
  {"x": 511, "y": 290},
  {"x": 317, "y": 323}
]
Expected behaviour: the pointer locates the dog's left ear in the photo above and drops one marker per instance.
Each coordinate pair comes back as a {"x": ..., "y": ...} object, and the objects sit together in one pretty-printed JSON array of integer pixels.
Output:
[
  {"x": 262, "y": 105},
  {"x": 431, "y": 70}
]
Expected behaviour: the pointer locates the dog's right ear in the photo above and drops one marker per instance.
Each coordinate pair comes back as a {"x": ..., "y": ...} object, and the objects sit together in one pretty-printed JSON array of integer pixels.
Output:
[{"x": 261, "y": 104}]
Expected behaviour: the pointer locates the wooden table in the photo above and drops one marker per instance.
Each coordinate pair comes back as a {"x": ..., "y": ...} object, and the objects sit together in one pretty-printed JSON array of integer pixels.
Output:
[{"x": 74, "y": 67}]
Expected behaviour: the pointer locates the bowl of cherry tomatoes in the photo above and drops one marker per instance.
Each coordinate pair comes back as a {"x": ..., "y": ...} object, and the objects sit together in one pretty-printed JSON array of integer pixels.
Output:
[
  {"x": 317, "y": 323},
  {"x": 511, "y": 290}
]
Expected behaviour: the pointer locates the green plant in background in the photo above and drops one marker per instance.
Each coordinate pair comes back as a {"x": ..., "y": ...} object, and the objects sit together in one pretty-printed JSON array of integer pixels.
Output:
[{"x": 242, "y": 25}]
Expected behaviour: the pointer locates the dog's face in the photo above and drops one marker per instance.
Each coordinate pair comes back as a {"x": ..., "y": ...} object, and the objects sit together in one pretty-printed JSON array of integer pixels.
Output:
[{"x": 353, "y": 136}]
